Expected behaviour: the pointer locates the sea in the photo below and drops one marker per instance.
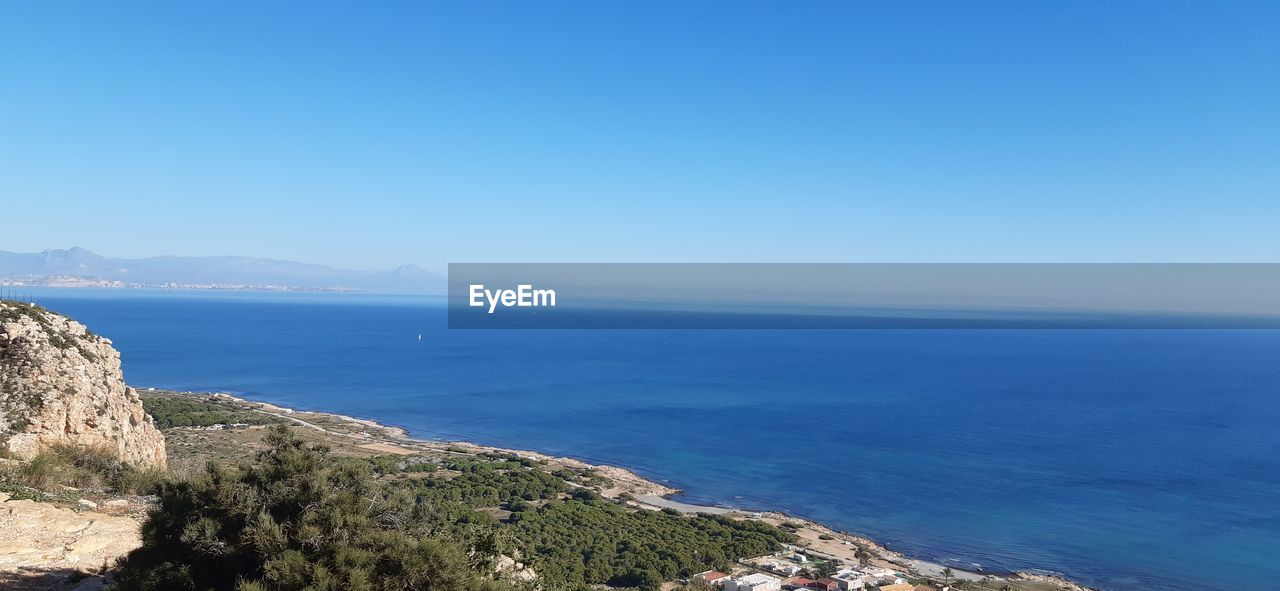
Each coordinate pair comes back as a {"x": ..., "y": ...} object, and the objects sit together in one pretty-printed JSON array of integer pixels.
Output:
[{"x": 1125, "y": 459}]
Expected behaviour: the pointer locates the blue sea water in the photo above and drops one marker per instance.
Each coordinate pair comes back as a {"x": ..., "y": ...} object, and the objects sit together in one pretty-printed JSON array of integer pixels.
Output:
[{"x": 1128, "y": 459}]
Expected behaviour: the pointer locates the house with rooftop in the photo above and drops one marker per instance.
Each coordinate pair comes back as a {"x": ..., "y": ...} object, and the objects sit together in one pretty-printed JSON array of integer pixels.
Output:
[
  {"x": 823, "y": 584},
  {"x": 852, "y": 579},
  {"x": 711, "y": 577}
]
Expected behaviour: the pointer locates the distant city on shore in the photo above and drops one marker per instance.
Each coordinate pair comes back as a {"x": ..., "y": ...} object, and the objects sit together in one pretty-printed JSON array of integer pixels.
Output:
[{"x": 78, "y": 281}]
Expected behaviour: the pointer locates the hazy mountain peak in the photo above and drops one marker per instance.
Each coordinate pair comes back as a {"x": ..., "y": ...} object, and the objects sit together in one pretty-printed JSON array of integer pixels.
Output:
[
  {"x": 216, "y": 271},
  {"x": 410, "y": 270}
]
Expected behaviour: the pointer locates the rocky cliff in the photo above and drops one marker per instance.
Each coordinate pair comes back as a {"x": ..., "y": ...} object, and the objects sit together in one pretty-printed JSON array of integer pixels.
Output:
[{"x": 61, "y": 384}]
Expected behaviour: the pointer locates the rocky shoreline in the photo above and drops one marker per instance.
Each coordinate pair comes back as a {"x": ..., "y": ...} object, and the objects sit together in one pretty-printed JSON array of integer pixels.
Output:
[{"x": 635, "y": 490}]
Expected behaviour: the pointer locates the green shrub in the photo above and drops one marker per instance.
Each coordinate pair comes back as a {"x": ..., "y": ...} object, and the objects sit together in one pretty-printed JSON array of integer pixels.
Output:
[
  {"x": 601, "y": 542},
  {"x": 298, "y": 519}
]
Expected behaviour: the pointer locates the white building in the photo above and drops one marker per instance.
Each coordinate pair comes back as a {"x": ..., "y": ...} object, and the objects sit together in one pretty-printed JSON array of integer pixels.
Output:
[
  {"x": 783, "y": 568},
  {"x": 755, "y": 582},
  {"x": 852, "y": 580},
  {"x": 880, "y": 572}
]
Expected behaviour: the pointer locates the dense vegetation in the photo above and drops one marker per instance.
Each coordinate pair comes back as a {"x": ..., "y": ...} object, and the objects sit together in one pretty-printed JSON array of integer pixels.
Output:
[
  {"x": 169, "y": 411},
  {"x": 571, "y": 536},
  {"x": 489, "y": 483},
  {"x": 301, "y": 518},
  {"x": 598, "y": 541},
  {"x": 298, "y": 519}
]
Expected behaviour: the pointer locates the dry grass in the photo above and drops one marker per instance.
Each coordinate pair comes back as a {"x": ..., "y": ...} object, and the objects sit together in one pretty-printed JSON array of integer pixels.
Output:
[{"x": 82, "y": 468}]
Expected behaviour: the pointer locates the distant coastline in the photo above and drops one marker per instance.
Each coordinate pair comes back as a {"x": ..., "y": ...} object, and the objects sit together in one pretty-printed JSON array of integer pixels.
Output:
[
  {"x": 79, "y": 267},
  {"x": 76, "y": 282}
]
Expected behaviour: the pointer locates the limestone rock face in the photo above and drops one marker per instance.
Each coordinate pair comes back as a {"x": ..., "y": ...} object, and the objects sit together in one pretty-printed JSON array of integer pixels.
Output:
[
  {"x": 61, "y": 384},
  {"x": 40, "y": 543}
]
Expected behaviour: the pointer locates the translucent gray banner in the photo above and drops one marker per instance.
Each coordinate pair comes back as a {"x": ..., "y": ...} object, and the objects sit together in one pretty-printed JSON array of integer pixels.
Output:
[{"x": 859, "y": 295}]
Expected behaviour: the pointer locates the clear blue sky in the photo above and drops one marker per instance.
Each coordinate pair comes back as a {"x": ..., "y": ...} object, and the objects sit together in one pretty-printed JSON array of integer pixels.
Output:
[{"x": 367, "y": 135}]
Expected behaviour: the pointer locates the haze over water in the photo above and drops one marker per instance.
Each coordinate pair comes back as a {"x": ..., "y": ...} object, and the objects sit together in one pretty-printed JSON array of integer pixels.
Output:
[{"x": 1123, "y": 458}]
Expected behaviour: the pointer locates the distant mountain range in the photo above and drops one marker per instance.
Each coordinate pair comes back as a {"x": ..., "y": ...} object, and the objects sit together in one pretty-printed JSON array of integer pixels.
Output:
[{"x": 77, "y": 266}]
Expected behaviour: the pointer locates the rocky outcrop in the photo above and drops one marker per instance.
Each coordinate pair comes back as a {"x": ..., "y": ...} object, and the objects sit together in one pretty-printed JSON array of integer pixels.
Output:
[
  {"x": 514, "y": 570},
  {"x": 61, "y": 384},
  {"x": 47, "y": 547}
]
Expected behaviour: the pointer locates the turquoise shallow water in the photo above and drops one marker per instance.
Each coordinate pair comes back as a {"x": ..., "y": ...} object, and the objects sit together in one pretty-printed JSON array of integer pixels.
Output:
[{"x": 1128, "y": 459}]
